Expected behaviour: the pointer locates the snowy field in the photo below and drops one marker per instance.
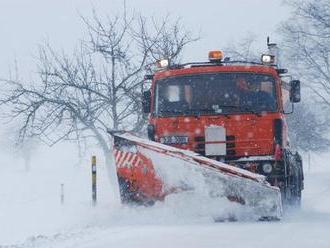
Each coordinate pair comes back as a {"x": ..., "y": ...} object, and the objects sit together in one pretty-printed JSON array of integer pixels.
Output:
[{"x": 31, "y": 214}]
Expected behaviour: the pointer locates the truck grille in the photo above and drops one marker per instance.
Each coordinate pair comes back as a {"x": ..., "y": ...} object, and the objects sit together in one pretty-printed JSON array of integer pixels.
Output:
[{"x": 230, "y": 145}]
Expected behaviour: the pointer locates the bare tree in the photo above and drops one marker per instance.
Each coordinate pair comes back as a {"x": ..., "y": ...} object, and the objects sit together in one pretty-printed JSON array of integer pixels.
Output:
[
  {"x": 129, "y": 46},
  {"x": 306, "y": 39},
  {"x": 97, "y": 88},
  {"x": 308, "y": 130},
  {"x": 245, "y": 49}
]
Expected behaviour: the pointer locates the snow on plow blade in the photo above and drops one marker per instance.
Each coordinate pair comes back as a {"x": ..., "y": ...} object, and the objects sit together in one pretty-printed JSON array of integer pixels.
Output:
[{"x": 149, "y": 171}]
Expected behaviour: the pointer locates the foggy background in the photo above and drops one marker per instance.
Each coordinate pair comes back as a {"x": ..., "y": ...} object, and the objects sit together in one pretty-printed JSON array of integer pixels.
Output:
[
  {"x": 25, "y": 24},
  {"x": 29, "y": 200}
]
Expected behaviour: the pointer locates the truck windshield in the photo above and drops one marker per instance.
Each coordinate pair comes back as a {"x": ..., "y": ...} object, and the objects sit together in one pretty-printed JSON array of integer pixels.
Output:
[{"x": 215, "y": 93}]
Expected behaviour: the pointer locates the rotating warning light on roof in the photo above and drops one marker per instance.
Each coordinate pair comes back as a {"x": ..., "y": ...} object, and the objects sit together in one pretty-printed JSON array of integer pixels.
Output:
[
  {"x": 268, "y": 59},
  {"x": 162, "y": 63},
  {"x": 215, "y": 56}
]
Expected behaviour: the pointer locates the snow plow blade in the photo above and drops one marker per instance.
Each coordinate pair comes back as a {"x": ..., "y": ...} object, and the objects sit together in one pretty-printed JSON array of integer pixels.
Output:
[{"x": 149, "y": 171}]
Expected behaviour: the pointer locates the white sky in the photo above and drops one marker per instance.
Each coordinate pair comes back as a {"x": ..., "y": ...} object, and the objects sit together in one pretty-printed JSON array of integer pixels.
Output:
[{"x": 26, "y": 23}]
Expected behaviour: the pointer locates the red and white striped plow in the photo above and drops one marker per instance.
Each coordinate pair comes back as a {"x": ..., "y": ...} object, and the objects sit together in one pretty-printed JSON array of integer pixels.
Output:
[{"x": 153, "y": 171}]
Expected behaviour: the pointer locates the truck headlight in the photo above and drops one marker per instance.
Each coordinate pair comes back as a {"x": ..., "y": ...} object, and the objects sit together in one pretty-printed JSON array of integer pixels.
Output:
[
  {"x": 267, "y": 168},
  {"x": 267, "y": 59}
]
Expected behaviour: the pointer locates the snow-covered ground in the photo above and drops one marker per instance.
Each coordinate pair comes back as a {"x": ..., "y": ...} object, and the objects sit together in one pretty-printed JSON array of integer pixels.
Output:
[{"x": 31, "y": 213}]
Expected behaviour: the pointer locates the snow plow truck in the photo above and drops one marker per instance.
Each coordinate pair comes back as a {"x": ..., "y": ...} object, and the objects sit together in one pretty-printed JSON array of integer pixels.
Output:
[{"x": 220, "y": 124}]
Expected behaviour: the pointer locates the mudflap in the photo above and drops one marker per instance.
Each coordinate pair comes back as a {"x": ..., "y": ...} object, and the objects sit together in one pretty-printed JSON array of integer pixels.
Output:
[{"x": 149, "y": 171}]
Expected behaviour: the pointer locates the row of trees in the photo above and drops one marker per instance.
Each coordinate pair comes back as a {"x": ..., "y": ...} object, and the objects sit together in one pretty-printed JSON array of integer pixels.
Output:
[
  {"x": 305, "y": 50},
  {"x": 306, "y": 45},
  {"x": 306, "y": 40}
]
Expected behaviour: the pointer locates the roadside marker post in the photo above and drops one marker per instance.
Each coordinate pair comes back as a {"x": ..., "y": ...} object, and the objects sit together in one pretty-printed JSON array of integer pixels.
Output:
[
  {"x": 62, "y": 193},
  {"x": 94, "y": 191}
]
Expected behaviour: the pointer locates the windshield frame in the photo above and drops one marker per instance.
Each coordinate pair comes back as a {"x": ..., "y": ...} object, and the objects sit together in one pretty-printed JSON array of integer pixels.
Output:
[{"x": 240, "y": 112}]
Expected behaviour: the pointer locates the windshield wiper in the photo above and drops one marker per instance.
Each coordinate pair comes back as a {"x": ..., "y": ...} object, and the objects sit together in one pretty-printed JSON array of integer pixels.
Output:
[
  {"x": 239, "y": 107},
  {"x": 212, "y": 110},
  {"x": 200, "y": 110},
  {"x": 174, "y": 111},
  {"x": 249, "y": 109}
]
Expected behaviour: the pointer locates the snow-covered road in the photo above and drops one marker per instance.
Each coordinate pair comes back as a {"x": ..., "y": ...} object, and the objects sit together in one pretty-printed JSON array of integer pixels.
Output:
[{"x": 31, "y": 216}]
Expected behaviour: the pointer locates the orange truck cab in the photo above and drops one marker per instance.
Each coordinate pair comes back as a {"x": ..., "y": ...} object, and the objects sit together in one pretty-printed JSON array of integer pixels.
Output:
[{"x": 230, "y": 111}]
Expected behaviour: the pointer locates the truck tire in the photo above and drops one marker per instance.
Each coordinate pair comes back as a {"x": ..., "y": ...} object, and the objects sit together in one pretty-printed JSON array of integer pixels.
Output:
[
  {"x": 295, "y": 200},
  {"x": 299, "y": 184},
  {"x": 294, "y": 179}
]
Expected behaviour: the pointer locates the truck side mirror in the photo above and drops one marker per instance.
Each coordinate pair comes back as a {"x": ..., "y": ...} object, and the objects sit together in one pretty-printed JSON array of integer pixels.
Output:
[
  {"x": 146, "y": 101},
  {"x": 295, "y": 91}
]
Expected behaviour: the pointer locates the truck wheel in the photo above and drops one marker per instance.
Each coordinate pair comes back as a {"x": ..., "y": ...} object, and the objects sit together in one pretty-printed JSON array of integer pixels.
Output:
[
  {"x": 295, "y": 196},
  {"x": 296, "y": 200},
  {"x": 295, "y": 181},
  {"x": 298, "y": 185}
]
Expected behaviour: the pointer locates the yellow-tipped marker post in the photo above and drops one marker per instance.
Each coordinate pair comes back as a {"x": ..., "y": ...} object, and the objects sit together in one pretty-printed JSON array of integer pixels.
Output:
[{"x": 94, "y": 191}]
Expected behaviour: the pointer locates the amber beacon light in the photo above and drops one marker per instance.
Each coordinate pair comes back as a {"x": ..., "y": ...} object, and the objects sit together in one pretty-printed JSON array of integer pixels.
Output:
[{"x": 215, "y": 56}]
